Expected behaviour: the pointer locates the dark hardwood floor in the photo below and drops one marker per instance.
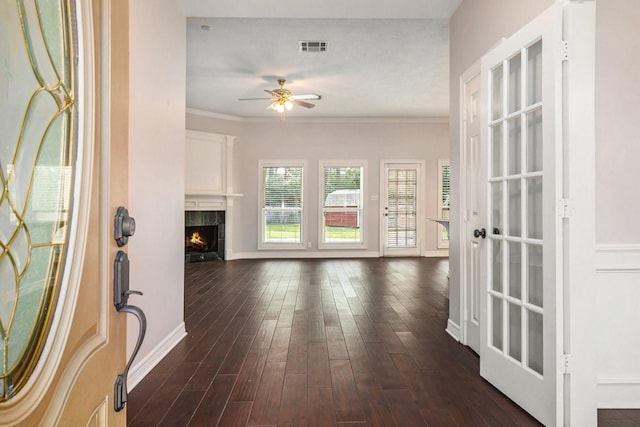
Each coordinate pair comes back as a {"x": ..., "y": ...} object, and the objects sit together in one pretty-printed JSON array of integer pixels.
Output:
[{"x": 320, "y": 343}]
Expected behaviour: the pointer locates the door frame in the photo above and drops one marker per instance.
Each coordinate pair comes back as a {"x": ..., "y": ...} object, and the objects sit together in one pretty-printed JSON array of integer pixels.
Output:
[
  {"x": 420, "y": 208},
  {"x": 465, "y": 78}
]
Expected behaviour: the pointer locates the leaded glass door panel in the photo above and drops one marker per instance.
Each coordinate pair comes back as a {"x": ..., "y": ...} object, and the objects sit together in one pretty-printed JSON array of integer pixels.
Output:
[{"x": 61, "y": 342}]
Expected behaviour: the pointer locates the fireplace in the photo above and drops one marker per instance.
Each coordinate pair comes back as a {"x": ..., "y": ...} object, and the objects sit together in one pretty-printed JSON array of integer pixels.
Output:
[
  {"x": 201, "y": 238},
  {"x": 204, "y": 235}
]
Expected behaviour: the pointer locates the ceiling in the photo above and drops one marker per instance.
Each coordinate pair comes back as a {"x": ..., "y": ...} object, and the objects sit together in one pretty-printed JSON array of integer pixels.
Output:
[{"x": 383, "y": 60}]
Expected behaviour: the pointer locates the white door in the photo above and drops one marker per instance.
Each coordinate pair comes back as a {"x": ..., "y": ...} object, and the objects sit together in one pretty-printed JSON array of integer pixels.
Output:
[
  {"x": 401, "y": 209},
  {"x": 521, "y": 306},
  {"x": 474, "y": 214}
]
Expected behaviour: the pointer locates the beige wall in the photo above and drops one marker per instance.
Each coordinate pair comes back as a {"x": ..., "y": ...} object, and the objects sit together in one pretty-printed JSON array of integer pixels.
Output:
[
  {"x": 617, "y": 122},
  {"x": 156, "y": 174},
  {"x": 328, "y": 140}
]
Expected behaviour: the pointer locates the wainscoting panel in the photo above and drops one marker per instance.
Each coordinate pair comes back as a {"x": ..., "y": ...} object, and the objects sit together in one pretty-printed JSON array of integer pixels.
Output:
[{"x": 618, "y": 319}]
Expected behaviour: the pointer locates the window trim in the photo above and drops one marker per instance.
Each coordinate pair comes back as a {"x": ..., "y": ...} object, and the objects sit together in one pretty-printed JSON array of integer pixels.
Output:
[
  {"x": 322, "y": 164},
  {"x": 262, "y": 245},
  {"x": 443, "y": 244}
]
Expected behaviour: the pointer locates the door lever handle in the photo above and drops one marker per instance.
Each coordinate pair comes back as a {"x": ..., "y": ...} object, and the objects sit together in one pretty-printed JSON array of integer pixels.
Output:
[{"x": 480, "y": 233}]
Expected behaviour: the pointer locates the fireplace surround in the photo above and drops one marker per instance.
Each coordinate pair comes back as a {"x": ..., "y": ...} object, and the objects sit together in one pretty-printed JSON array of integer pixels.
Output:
[{"x": 210, "y": 243}]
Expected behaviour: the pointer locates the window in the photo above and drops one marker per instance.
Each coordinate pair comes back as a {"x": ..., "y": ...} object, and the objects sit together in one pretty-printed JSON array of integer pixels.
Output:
[
  {"x": 444, "y": 180},
  {"x": 341, "y": 204},
  {"x": 281, "y": 217}
]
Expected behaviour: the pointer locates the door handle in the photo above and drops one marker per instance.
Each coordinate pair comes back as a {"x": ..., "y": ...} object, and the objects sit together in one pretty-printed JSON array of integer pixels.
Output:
[
  {"x": 121, "y": 294},
  {"x": 480, "y": 233}
]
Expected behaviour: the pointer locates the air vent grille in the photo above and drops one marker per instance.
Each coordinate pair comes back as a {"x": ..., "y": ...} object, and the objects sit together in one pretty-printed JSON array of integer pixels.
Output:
[{"x": 307, "y": 46}]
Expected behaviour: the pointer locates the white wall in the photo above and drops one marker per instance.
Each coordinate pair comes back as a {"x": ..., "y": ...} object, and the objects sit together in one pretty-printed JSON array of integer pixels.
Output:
[
  {"x": 476, "y": 26},
  {"x": 156, "y": 175},
  {"x": 325, "y": 139},
  {"x": 618, "y": 202}
]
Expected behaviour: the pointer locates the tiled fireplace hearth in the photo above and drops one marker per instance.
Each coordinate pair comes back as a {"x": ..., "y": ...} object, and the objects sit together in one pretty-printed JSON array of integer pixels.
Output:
[{"x": 210, "y": 247}]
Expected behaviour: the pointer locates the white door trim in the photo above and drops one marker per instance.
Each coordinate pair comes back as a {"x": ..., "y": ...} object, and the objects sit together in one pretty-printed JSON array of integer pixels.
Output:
[{"x": 465, "y": 78}]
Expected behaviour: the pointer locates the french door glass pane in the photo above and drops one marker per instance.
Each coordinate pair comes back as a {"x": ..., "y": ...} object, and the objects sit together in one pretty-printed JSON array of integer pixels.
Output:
[
  {"x": 534, "y": 141},
  {"x": 515, "y": 331},
  {"x": 496, "y": 207},
  {"x": 515, "y": 146},
  {"x": 534, "y": 275},
  {"x": 515, "y": 81},
  {"x": 496, "y": 150},
  {"x": 496, "y": 100},
  {"x": 515, "y": 270},
  {"x": 534, "y": 208},
  {"x": 497, "y": 265},
  {"x": 535, "y": 344},
  {"x": 496, "y": 324},
  {"x": 514, "y": 192},
  {"x": 534, "y": 73}
]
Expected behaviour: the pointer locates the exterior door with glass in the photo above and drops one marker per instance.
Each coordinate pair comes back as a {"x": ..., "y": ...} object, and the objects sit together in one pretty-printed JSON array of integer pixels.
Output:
[
  {"x": 521, "y": 305},
  {"x": 401, "y": 209},
  {"x": 64, "y": 98}
]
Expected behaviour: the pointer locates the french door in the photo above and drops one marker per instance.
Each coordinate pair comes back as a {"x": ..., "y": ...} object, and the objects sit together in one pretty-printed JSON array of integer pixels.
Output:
[
  {"x": 521, "y": 320},
  {"x": 401, "y": 209}
]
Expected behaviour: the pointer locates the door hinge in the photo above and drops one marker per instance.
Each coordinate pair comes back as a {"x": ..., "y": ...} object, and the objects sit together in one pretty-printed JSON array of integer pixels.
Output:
[
  {"x": 565, "y": 361},
  {"x": 565, "y": 208},
  {"x": 564, "y": 50}
]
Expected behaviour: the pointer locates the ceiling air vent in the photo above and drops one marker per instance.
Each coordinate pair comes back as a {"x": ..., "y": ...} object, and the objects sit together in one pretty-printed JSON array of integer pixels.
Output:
[{"x": 312, "y": 46}]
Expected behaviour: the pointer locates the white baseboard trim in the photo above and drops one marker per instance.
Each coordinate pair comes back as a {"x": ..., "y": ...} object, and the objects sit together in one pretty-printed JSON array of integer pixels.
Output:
[
  {"x": 453, "y": 329},
  {"x": 436, "y": 254},
  {"x": 619, "y": 258},
  {"x": 141, "y": 368},
  {"x": 618, "y": 393},
  {"x": 305, "y": 254}
]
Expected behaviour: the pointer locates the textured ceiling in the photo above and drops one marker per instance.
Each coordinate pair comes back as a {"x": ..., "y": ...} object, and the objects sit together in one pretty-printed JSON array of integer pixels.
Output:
[{"x": 379, "y": 63}]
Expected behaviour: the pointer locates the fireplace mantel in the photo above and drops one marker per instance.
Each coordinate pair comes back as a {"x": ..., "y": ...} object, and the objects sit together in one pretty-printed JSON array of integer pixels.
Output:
[{"x": 209, "y": 171}]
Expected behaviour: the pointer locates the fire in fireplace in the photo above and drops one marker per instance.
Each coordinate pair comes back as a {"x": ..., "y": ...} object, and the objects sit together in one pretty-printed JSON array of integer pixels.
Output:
[{"x": 201, "y": 238}]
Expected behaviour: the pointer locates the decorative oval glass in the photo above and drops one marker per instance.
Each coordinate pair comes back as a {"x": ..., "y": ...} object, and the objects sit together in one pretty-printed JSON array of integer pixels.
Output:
[{"x": 37, "y": 157}]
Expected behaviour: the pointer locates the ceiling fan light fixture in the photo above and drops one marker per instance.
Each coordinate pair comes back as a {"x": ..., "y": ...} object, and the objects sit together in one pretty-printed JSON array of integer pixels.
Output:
[
  {"x": 280, "y": 108},
  {"x": 288, "y": 105}
]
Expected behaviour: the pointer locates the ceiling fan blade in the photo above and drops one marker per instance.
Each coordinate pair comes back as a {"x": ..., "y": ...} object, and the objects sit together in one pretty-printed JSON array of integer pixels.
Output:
[
  {"x": 302, "y": 103},
  {"x": 311, "y": 96},
  {"x": 269, "y": 92},
  {"x": 251, "y": 99}
]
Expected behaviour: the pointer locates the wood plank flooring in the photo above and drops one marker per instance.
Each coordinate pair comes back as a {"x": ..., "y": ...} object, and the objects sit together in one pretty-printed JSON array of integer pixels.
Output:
[{"x": 319, "y": 343}]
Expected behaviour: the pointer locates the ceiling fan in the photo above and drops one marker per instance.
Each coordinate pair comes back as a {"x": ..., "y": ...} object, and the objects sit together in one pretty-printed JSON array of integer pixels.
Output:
[{"x": 283, "y": 100}]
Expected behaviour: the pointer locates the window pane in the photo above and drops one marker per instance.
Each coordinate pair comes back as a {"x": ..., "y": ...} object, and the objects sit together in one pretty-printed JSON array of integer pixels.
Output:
[
  {"x": 534, "y": 208},
  {"x": 515, "y": 270},
  {"x": 534, "y": 73},
  {"x": 282, "y": 209},
  {"x": 496, "y": 150},
  {"x": 534, "y": 141},
  {"x": 534, "y": 275},
  {"x": 496, "y": 207},
  {"x": 515, "y": 78},
  {"x": 535, "y": 343},
  {"x": 342, "y": 204},
  {"x": 496, "y": 322},
  {"x": 515, "y": 331},
  {"x": 515, "y": 146},
  {"x": 515, "y": 208},
  {"x": 497, "y": 265},
  {"x": 496, "y": 99}
]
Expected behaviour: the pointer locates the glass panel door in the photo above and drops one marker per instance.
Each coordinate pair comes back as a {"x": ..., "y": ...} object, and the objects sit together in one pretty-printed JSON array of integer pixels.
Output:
[
  {"x": 401, "y": 209},
  {"x": 520, "y": 316}
]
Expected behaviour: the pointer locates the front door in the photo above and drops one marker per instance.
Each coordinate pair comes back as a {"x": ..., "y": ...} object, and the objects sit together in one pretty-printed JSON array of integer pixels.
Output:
[
  {"x": 64, "y": 120},
  {"x": 401, "y": 210},
  {"x": 521, "y": 305},
  {"x": 474, "y": 214}
]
